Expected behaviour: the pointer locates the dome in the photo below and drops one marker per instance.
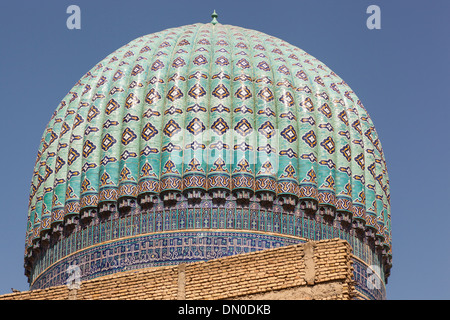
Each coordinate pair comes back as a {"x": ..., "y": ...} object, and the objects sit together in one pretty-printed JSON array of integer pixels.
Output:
[{"x": 210, "y": 138}]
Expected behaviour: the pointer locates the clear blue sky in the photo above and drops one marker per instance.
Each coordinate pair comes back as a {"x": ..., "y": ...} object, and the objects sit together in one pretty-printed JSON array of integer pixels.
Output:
[{"x": 400, "y": 72}]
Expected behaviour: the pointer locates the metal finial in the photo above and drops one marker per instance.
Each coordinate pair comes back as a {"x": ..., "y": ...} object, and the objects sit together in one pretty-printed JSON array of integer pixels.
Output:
[{"x": 214, "y": 16}]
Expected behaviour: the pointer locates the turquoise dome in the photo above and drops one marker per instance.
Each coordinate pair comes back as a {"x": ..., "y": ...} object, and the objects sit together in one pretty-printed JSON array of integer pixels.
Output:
[{"x": 208, "y": 113}]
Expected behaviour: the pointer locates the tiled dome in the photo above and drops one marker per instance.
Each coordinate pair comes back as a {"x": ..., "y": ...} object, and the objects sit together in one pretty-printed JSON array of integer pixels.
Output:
[{"x": 209, "y": 116}]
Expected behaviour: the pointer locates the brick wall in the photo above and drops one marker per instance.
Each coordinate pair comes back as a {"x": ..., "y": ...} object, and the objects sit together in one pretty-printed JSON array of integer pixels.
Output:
[{"x": 314, "y": 270}]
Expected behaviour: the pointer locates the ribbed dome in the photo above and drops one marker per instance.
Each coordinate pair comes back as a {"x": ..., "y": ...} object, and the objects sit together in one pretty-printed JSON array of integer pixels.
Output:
[{"x": 212, "y": 113}]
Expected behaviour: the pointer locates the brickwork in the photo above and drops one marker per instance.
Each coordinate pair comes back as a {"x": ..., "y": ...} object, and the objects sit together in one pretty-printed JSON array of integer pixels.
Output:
[{"x": 315, "y": 270}]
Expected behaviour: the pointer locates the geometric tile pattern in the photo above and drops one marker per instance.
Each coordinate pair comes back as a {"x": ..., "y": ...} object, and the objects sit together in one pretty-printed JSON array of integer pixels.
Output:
[
  {"x": 146, "y": 239},
  {"x": 207, "y": 94}
]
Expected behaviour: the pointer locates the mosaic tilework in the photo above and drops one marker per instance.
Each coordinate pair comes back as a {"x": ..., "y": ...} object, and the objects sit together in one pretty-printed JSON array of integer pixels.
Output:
[
  {"x": 207, "y": 111},
  {"x": 157, "y": 250},
  {"x": 153, "y": 238},
  {"x": 204, "y": 217},
  {"x": 179, "y": 247}
]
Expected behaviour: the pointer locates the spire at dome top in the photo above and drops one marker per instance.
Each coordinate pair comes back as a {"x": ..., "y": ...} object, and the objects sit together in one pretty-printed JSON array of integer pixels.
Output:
[{"x": 214, "y": 16}]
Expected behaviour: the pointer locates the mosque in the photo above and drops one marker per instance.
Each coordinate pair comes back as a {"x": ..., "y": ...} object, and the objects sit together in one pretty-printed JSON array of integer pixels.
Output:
[{"x": 202, "y": 142}]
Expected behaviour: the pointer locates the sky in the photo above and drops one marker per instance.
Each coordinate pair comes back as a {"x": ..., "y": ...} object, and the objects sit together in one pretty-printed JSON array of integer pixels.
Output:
[{"x": 400, "y": 72}]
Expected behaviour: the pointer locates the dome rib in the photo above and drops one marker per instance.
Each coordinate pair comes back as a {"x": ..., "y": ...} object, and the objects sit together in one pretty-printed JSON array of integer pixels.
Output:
[
  {"x": 193, "y": 167},
  {"x": 221, "y": 112},
  {"x": 265, "y": 128}
]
